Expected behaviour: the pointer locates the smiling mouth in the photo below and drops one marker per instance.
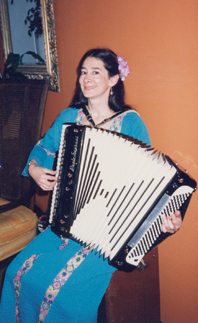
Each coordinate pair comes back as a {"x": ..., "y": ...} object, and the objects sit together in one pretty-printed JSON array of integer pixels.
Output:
[{"x": 88, "y": 88}]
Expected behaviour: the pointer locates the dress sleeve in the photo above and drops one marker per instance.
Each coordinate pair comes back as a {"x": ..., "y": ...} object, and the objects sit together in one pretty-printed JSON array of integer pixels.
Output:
[
  {"x": 133, "y": 126},
  {"x": 44, "y": 151}
]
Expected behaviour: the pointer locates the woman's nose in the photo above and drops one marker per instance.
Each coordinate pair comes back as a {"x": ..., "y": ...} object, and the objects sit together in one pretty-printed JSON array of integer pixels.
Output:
[{"x": 87, "y": 78}]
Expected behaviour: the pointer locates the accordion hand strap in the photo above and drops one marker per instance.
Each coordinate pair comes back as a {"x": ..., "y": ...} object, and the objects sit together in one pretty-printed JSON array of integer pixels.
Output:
[
  {"x": 92, "y": 123},
  {"x": 88, "y": 115}
]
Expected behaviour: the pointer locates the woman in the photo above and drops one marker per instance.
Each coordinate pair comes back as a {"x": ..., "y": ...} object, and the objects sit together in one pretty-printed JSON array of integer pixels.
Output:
[{"x": 56, "y": 280}]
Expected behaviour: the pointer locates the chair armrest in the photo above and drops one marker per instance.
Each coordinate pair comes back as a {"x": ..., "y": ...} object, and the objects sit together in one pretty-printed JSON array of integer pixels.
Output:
[{"x": 14, "y": 204}]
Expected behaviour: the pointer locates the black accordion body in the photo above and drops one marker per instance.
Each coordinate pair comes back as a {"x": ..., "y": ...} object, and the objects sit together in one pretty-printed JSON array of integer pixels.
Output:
[{"x": 111, "y": 192}]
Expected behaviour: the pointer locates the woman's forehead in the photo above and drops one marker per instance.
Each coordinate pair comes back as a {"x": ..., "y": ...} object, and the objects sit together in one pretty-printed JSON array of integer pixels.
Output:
[{"x": 93, "y": 62}]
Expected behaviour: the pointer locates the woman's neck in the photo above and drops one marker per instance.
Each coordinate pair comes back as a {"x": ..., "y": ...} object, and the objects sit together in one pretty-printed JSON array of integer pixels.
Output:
[
  {"x": 98, "y": 112},
  {"x": 99, "y": 109}
]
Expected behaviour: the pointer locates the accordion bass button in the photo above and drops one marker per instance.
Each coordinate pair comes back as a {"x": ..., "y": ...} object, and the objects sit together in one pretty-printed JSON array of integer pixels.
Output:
[{"x": 120, "y": 263}]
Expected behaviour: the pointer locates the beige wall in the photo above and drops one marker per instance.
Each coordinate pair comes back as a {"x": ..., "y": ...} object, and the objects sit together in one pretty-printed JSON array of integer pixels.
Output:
[{"x": 159, "y": 39}]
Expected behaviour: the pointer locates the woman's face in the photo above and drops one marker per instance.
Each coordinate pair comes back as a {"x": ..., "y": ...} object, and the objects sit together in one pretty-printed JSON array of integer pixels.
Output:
[{"x": 94, "y": 79}]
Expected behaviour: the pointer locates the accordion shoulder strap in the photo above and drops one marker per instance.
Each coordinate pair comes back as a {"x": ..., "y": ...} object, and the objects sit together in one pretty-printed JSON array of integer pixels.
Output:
[{"x": 92, "y": 123}]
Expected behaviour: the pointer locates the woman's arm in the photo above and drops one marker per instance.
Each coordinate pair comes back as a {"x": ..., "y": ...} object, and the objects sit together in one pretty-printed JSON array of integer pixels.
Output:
[{"x": 44, "y": 151}]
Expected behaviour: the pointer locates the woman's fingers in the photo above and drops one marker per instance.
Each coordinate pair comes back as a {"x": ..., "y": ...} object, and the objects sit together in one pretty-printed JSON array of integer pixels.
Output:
[
  {"x": 171, "y": 223},
  {"x": 45, "y": 178}
]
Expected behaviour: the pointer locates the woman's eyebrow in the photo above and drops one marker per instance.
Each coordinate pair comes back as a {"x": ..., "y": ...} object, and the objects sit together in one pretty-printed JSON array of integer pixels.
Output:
[
  {"x": 96, "y": 68},
  {"x": 93, "y": 68}
]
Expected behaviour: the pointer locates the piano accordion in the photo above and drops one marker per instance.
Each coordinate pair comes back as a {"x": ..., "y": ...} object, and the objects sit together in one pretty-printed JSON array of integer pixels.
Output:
[{"x": 111, "y": 192}]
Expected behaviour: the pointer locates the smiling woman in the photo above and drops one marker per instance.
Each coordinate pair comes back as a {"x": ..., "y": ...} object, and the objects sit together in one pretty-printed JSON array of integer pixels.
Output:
[
  {"x": 102, "y": 56},
  {"x": 96, "y": 84},
  {"x": 56, "y": 269}
]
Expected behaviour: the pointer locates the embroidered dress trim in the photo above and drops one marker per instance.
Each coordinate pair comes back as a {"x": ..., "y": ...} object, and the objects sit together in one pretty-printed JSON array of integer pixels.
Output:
[
  {"x": 64, "y": 243},
  {"x": 60, "y": 280},
  {"x": 79, "y": 117},
  {"x": 115, "y": 126},
  {"x": 49, "y": 153},
  {"x": 17, "y": 281}
]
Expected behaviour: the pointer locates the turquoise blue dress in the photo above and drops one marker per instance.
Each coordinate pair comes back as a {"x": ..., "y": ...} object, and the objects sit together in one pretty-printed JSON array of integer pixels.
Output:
[{"x": 53, "y": 279}]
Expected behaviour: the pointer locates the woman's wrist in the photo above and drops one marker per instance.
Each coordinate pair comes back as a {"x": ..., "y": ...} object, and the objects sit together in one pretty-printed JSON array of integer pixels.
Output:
[{"x": 32, "y": 163}]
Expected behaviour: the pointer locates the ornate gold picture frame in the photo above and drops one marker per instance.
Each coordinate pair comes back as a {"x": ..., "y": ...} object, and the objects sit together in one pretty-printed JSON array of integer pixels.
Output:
[{"x": 50, "y": 69}]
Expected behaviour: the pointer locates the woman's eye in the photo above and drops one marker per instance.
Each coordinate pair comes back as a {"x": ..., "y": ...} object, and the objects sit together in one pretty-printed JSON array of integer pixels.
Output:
[
  {"x": 83, "y": 72},
  {"x": 95, "y": 72}
]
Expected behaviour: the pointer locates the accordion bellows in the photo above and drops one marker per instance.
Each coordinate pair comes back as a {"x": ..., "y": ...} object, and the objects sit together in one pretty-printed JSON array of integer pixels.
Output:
[{"x": 111, "y": 192}]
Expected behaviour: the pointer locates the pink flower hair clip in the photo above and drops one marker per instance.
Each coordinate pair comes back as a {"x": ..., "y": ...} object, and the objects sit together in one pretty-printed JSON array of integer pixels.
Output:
[{"x": 123, "y": 67}]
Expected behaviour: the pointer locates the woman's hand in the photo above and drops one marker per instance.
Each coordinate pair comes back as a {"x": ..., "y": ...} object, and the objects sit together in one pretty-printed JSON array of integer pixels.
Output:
[
  {"x": 45, "y": 178},
  {"x": 171, "y": 223}
]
